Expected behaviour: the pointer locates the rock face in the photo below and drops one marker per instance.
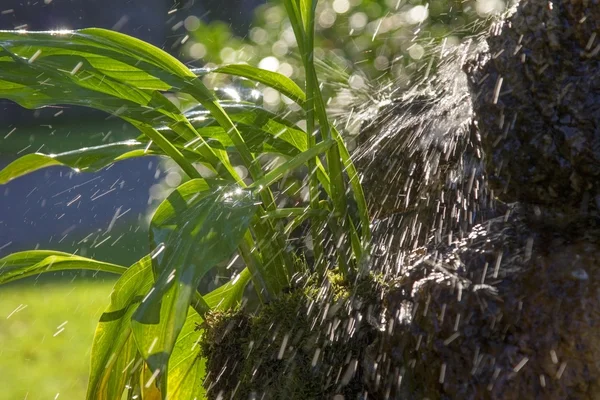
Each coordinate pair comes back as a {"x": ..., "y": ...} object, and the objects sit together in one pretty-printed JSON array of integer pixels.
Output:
[
  {"x": 508, "y": 309},
  {"x": 536, "y": 97},
  {"x": 421, "y": 159},
  {"x": 509, "y": 312}
]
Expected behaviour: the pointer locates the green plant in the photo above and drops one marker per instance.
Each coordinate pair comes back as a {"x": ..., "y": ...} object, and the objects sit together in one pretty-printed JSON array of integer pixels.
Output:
[{"x": 145, "y": 343}]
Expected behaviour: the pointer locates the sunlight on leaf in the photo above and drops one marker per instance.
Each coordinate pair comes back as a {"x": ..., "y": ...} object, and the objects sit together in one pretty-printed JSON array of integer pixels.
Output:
[
  {"x": 208, "y": 230},
  {"x": 20, "y": 265},
  {"x": 85, "y": 159},
  {"x": 114, "y": 349}
]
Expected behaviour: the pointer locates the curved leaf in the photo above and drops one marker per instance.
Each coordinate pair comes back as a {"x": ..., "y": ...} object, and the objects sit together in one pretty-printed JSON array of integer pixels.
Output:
[
  {"x": 62, "y": 68},
  {"x": 114, "y": 350},
  {"x": 208, "y": 230},
  {"x": 186, "y": 367},
  {"x": 47, "y": 82},
  {"x": 249, "y": 115},
  {"x": 34, "y": 262},
  {"x": 258, "y": 140},
  {"x": 229, "y": 295},
  {"x": 279, "y": 172},
  {"x": 179, "y": 200},
  {"x": 169, "y": 149},
  {"x": 142, "y": 61},
  {"x": 357, "y": 190},
  {"x": 85, "y": 159},
  {"x": 277, "y": 81}
]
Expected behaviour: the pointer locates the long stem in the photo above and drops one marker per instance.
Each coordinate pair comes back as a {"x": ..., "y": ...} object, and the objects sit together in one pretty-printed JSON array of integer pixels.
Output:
[
  {"x": 199, "y": 305},
  {"x": 313, "y": 183},
  {"x": 338, "y": 185},
  {"x": 257, "y": 273},
  {"x": 334, "y": 165}
]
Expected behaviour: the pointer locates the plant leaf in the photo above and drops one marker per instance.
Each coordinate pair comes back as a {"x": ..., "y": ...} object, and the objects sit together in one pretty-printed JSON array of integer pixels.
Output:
[
  {"x": 186, "y": 367},
  {"x": 277, "y": 81},
  {"x": 114, "y": 350},
  {"x": 68, "y": 62},
  {"x": 84, "y": 159},
  {"x": 20, "y": 265},
  {"x": 280, "y": 171},
  {"x": 166, "y": 146},
  {"x": 46, "y": 82},
  {"x": 357, "y": 189},
  {"x": 261, "y": 130},
  {"x": 251, "y": 115},
  {"x": 229, "y": 295},
  {"x": 178, "y": 201},
  {"x": 208, "y": 230}
]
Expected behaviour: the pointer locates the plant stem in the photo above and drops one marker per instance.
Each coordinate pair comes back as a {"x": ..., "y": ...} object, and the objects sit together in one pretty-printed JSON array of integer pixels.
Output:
[
  {"x": 313, "y": 183},
  {"x": 199, "y": 305}
]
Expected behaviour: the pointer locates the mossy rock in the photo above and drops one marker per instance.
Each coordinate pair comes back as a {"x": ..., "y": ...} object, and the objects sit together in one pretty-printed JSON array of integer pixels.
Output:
[
  {"x": 492, "y": 301},
  {"x": 307, "y": 344}
]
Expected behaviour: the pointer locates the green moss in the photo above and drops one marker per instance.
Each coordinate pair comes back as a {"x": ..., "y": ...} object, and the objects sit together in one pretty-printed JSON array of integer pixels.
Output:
[{"x": 305, "y": 345}]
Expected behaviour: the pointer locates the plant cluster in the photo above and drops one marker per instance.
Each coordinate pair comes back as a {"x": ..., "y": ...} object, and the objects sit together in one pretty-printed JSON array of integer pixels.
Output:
[{"x": 146, "y": 343}]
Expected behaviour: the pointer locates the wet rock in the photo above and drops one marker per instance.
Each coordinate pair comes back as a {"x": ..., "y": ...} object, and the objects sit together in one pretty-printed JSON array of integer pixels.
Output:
[
  {"x": 510, "y": 312},
  {"x": 536, "y": 97},
  {"x": 506, "y": 308}
]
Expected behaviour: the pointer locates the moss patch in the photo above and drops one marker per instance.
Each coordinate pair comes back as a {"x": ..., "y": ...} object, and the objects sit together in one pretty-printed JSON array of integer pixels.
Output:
[{"x": 307, "y": 344}]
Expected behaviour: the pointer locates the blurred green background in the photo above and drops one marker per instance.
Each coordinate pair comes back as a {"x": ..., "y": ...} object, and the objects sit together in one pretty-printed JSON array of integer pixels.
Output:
[{"x": 46, "y": 330}]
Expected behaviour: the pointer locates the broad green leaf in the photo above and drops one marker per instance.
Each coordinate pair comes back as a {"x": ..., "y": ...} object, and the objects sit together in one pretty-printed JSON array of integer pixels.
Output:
[
  {"x": 115, "y": 360},
  {"x": 169, "y": 149},
  {"x": 262, "y": 131},
  {"x": 131, "y": 52},
  {"x": 208, "y": 230},
  {"x": 180, "y": 200},
  {"x": 178, "y": 76},
  {"x": 186, "y": 367},
  {"x": 229, "y": 295},
  {"x": 144, "y": 61},
  {"x": 114, "y": 350},
  {"x": 44, "y": 95},
  {"x": 84, "y": 159},
  {"x": 249, "y": 115},
  {"x": 258, "y": 141},
  {"x": 68, "y": 62},
  {"x": 46, "y": 82},
  {"x": 137, "y": 49},
  {"x": 20, "y": 265},
  {"x": 89, "y": 159},
  {"x": 279, "y": 82},
  {"x": 61, "y": 86}
]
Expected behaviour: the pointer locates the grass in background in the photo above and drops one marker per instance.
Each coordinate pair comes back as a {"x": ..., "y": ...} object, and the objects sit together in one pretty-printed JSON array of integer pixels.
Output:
[{"x": 36, "y": 362}]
